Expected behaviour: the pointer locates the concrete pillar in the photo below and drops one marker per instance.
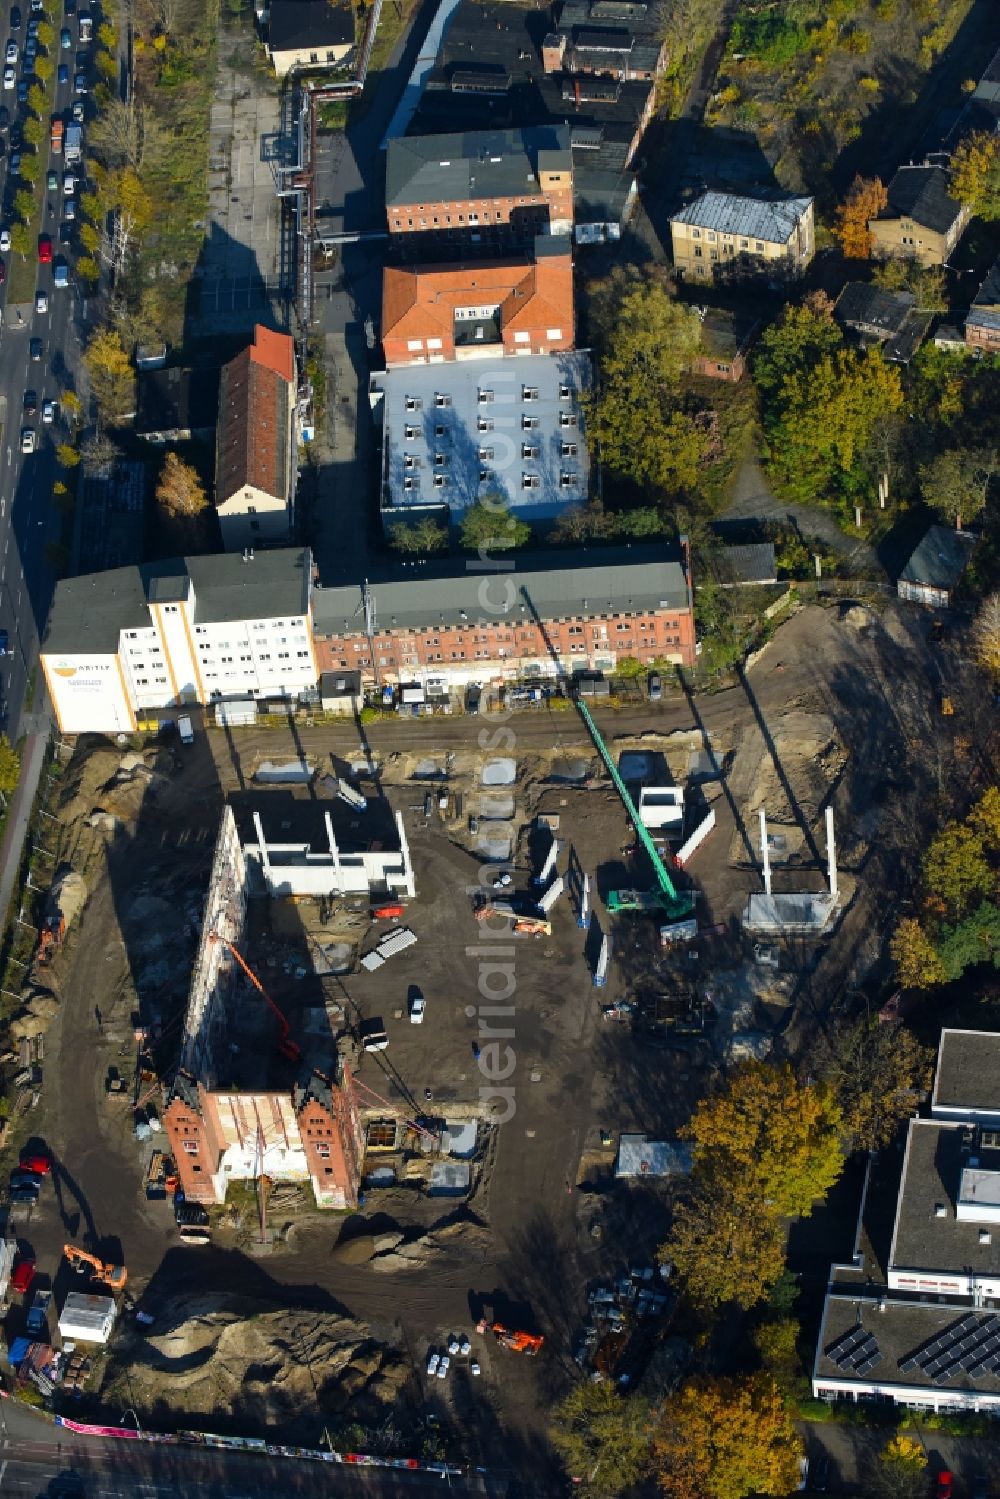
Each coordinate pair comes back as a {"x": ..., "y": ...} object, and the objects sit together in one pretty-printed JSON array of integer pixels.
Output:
[
  {"x": 764, "y": 856},
  {"x": 336, "y": 885},
  {"x": 831, "y": 853},
  {"x": 265, "y": 862}
]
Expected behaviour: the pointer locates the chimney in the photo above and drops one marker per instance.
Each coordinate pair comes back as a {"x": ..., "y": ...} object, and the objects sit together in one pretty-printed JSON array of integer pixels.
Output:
[
  {"x": 764, "y": 857},
  {"x": 831, "y": 854}
]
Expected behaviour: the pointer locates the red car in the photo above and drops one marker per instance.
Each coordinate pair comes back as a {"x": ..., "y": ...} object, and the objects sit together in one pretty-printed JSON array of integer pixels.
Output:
[
  {"x": 40, "y": 1165},
  {"x": 3, "y": 273},
  {"x": 943, "y": 1490},
  {"x": 24, "y": 1274},
  {"x": 44, "y": 250}
]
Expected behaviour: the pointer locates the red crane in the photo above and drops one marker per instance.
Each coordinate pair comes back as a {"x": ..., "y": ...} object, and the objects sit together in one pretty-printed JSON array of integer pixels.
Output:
[{"x": 288, "y": 1048}]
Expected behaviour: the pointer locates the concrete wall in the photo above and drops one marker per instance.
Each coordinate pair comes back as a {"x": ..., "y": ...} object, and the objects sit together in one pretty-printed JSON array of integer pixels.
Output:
[{"x": 212, "y": 976}]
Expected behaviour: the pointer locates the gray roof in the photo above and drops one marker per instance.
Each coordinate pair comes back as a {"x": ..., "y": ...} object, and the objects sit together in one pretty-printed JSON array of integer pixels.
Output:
[
  {"x": 935, "y": 1154},
  {"x": 771, "y": 219},
  {"x": 297, "y": 24},
  {"x": 89, "y": 613},
  {"x": 555, "y": 585},
  {"x": 968, "y": 1072},
  {"x": 752, "y": 563},
  {"x": 988, "y": 295},
  {"x": 940, "y": 558},
  {"x": 901, "y": 1330},
  {"x": 921, "y": 194},
  {"x": 473, "y": 164},
  {"x": 889, "y": 316}
]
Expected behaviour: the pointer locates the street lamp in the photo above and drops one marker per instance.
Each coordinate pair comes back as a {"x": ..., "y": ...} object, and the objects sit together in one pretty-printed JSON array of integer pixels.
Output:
[{"x": 135, "y": 1418}]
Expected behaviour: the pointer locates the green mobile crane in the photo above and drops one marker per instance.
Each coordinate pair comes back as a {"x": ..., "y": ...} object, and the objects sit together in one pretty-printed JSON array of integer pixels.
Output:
[{"x": 675, "y": 904}]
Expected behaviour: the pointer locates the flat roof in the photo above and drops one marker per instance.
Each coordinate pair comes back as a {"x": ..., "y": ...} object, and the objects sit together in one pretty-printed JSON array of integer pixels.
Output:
[
  {"x": 902, "y": 1330},
  {"x": 936, "y": 1153},
  {"x": 555, "y": 585},
  {"x": 640, "y": 1156},
  {"x": 89, "y": 613},
  {"x": 299, "y": 817},
  {"x": 297, "y": 24},
  {"x": 436, "y": 456},
  {"x": 473, "y": 164},
  {"x": 968, "y": 1071}
]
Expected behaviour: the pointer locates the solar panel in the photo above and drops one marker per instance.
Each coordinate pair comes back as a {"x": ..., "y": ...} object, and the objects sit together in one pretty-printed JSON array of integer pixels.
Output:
[
  {"x": 839, "y": 1343},
  {"x": 968, "y": 1324},
  {"x": 868, "y": 1347},
  {"x": 906, "y": 1364},
  {"x": 869, "y": 1363},
  {"x": 970, "y": 1361}
]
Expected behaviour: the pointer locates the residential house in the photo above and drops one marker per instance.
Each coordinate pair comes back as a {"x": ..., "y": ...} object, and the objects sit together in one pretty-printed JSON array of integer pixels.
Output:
[
  {"x": 255, "y": 448},
  {"x": 887, "y": 318},
  {"x": 921, "y": 221},
  {"x": 935, "y": 567},
  {"x": 982, "y": 325},
  {"x": 308, "y": 34},
  {"x": 479, "y": 309},
  {"x": 722, "y": 236},
  {"x": 725, "y": 343},
  {"x": 176, "y": 405}
]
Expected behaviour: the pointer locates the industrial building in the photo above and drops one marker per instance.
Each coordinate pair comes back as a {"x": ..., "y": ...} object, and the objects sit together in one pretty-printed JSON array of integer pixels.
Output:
[
  {"x": 122, "y": 644},
  {"x": 922, "y": 1329},
  {"x": 262, "y": 1091},
  {"x": 325, "y": 848}
]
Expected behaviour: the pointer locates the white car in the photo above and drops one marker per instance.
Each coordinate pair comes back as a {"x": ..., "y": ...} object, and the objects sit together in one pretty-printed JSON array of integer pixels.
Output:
[
  {"x": 418, "y": 1008},
  {"x": 27, "y": 439},
  {"x": 453, "y": 1347},
  {"x": 465, "y": 1348},
  {"x": 432, "y": 1364},
  {"x": 474, "y": 1367},
  {"x": 9, "y": 77},
  {"x": 443, "y": 1366},
  {"x": 11, "y": 54},
  {"x": 4, "y": 239},
  {"x": 48, "y": 412},
  {"x": 41, "y": 302}
]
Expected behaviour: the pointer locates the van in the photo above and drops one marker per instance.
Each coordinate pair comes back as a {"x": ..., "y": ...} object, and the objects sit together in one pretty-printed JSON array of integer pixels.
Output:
[
  {"x": 86, "y": 26},
  {"x": 185, "y": 730}
]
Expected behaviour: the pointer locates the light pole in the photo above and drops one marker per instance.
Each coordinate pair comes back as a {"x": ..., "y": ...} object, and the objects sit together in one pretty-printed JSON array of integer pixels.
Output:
[{"x": 135, "y": 1418}]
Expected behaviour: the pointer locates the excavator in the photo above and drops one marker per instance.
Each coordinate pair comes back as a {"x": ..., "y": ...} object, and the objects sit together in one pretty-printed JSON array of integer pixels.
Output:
[
  {"x": 521, "y": 926},
  {"x": 287, "y": 1047},
  {"x": 518, "y": 1342},
  {"x": 49, "y": 938},
  {"x": 113, "y": 1276}
]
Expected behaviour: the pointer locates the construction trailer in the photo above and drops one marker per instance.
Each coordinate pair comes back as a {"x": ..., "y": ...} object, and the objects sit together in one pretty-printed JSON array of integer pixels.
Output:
[{"x": 87, "y": 1319}]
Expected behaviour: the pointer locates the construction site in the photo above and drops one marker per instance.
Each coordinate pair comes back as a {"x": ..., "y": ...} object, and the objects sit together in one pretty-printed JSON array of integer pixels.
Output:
[{"x": 361, "y": 1034}]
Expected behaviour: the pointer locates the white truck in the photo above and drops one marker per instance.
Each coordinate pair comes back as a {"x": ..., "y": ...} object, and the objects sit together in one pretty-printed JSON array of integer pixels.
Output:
[{"x": 73, "y": 143}]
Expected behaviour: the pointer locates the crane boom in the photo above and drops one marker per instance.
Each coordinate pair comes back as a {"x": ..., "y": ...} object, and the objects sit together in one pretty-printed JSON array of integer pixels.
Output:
[
  {"x": 667, "y": 897},
  {"x": 286, "y": 1045}
]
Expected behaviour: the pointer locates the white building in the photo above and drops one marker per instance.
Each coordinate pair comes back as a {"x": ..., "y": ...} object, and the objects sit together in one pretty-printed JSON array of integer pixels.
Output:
[
  {"x": 122, "y": 644},
  {"x": 305, "y": 848},
  {"x": 87, "y": 1319},
  {"x": 923, "y": 1328}
]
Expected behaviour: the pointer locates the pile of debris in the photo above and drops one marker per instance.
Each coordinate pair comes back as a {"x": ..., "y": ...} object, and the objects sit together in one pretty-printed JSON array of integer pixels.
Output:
[{"x": 627, "y": 1320}]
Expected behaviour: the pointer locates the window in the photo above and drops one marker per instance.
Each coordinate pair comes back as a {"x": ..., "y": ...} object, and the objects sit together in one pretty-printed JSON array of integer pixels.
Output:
[
  {"x": 567, "y": 419},
  {"x": 530, "y": 481},
  {"x": 485, "y": 454},
  {"x": 744, "y": 244},
  {"x": 713, "y": 254},
  {"x": 441, "y": 399},
  {"x": 414, "y": 345},
  {"x": 529, "y": 423},
  {"x": 438, "y": 431},
  {"x": 323, "y": 1150},
  {"x": 190, "y": 1147},
  {"x": 567, "y": 481},
  {"x": 696, "y": 234},
  {"x": 565, "y": 392},
  {"x": 554, "y": 334},
  {"x": 413, "y": 403},
  {"x": 710, "y": 236},
  {"x": 529, "y": 392},
  {"x": 485, "y": 397},
  {"x": 568, "y": 450},
  {"x": 411, "y": 433},
  {"x": 759, "y": 246},
  {"x": 697, "y": 252},
  {"x": 439, "y": 481},
  {"x": 434, "y": 343},
  {"x": 529, "y": 450},
  {"x": 522, "y": 338}
]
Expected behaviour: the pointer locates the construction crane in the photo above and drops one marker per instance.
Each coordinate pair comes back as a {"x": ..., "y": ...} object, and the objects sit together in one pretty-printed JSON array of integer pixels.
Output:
[
  {"x": 674, "y": 903},
  {"x": 288, "y": 1048},
  {"x": 113, "y": 1276}
]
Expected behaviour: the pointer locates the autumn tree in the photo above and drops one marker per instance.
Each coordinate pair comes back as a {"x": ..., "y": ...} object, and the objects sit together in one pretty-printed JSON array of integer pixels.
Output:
[
  {"x": 724, "y": 1247},
  {"x": 10, "y": 765},
  {"x": 37, "y": 99},
  {"x": 975, "y": 173},
  {"x": 777, "y": 1344},
  {"x": 986, "y": 635},
  {"x": 46, "y": 34},
  {"x": 725, "y": 1439},
  {"x": 877, "y": 1070},
  {"x": 602, "y": 1436},
  {"x": 984, "y": 819},
  {"x": 20, "y": 239},
  {"x": 67, "y": 455},
  {"x": 24, "y": 204},
  {"x": 900, "y": 1470},
  {"x": 864, "y": 202},
  {"x": 905, "y": 273},
  {"x": 645, "y": 432},
  {"x": 421, "y": 535},
  {"x": 98, "y": 451},
  {"x": 132, "y": 206},
  {"x": 918, "y": 965},
  {"x": 956, "y": 482},
  {"x": 955, "y": 868},
  {"x": 117, "y": 133},
  {"x": 109, "y": 370},
  {"x": 489, "y": 526},
  {"x": 180, "y": 492}
]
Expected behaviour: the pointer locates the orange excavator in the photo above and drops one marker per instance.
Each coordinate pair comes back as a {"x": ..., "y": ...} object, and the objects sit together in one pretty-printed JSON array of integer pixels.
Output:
[
  {"x": 49, "y": 938},
  {"x": 287, "y": 1047},
  {"x": 518, "y": 1342},
  {"x": 113, "y": 1276}
]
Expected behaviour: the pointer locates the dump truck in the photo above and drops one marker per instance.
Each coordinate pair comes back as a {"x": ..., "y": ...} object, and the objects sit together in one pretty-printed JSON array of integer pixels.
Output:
[{"x": 56, "y": 137}]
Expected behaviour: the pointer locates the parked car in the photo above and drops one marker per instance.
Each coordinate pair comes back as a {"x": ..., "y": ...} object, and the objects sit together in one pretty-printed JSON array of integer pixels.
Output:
[
  {"x": 655, "y": 687},
  {"x": 80, "y": 83},
  {"x": 22, "y": 91},
  {"x": 24, "y": 1197},
  {"x": 819, "y": 1470},
  {"x": 41, "y": 302},
  {"x": 4, "y": 643},
  {"x": 373, "y": 1034},
  {"x": 944, "y": 1485},
  {"x": 30, "y": 403},
  {"x": 443, "y": 1366},
  {"x": 44, "y": 249},
  {"x": 33, "y": 22},
  {"x": 35, "y": 349},
  {"x": 980, "y": 1485},
  {"x": 9, "y": 77},
  {"x": 15, "y": 160},
  {"x": 418, "y": 1006},
  {"x": 52, "y": 182},
  {"x": 25, "y": 1179},
  {"x": 3, "y": 272},
  {"x": 65, "y": 40},
  {"x": 30, "y": 50},
  {"x": 69, "y": 210},
  {"x": 69, "y": 184},
  {"x": 432, "y": 1364},
  {"x": 62, "y": 75},
  {"x": 23, "y": 1275},
  {"x": 48, "y": 412},
  {"x": 77, "y": 112},
  {"x": 15, "y": 18},
  {"x": 11, "y": 54}
]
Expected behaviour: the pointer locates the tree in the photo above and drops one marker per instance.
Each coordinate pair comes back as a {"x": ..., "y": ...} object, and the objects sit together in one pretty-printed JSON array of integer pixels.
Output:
[
  {"x": 777, "y": 1345},
  {"x": 20, "y": 239},
  {"x": 975, "y": 173},
  {"x": 796, "y": 342},
  {"x": 723, "y": 1246},
  {"x": 877, "y": 1069},
  {"x": 726, "y": 1438},
  {"x": 955, "y": 483},
  {"x": 955, "y": 868},
  {"x": 109, "y": 370},
  {"x": 918, "y": 965},
  {"x": 24, "y": 205},
  {"x": 986, "y": 635},
  {"x": 67, "y": 455},
  {"x": 107, "y": 66},
  {"x": 602, "y": 1436},
  {"x": 972, "y": 941},
  {"x": 180, "y": 491},
  {"x": 87, "y": 268},
  {"x": 117, "y": 133},
  {"x": 46, "y": 34},
  {"x": 422, "y": 535},
  {"x": 865, "y": 201},
  {"x": 10, "y": 765},
  {"x": 33, "y": 131},
  {"x": 37, "y": 99},
  {"x": 44, "y": 68},
  {"x": 900, "y": 1470},
  {"x": 90, "y": 239},
  {"x": 134, "y": 207},
  {"x": 905, "y": 273},
  {"x": 775, "y": 1139},
  {"x": 98, "y": 451},
  {"x": 30, "y": 169},
  {"x": 489, "y": 526},
  {"x": 984, "y": 819},
  {"x": 644, "y": 432},
  {"x": 71, "y": 405}
]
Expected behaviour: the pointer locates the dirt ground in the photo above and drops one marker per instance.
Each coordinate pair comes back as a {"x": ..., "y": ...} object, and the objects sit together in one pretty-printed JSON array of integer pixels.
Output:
[{"x": 841, "y": 709}]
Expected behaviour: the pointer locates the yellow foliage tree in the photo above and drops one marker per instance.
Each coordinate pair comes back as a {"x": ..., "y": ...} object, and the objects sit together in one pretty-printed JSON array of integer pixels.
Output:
[
  {"x": 865, "y": 201},
  {"x": 110, "y": 372},
  {"x": 726, "y": 1438},
  {"x": 918, "y": 965},
  {"x": 975, "y": 173},
  {"x": 723, "y": 1246},
  {"x": 986, "y": 635},
  {"x": 984, "y": 819},
  {"x": 180, "y": 491},
  {"x": 900, "y": 1473},
  {"x": 10, "y": 765}
]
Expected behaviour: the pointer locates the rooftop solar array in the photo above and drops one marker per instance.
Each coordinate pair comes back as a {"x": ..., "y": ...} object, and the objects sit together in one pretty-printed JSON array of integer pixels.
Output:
[
  {"x": 856, "y": 1350},
  {"x": 971, "y": 1346}
]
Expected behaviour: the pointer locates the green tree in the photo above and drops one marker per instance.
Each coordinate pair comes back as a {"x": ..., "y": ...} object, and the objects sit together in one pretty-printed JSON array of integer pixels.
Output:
[
  {"x": 37, "y": 99},
  {"x": 723, "y": 1244},
  {"x": 422, "y": 535},
  {"x": 46, "y": 34},
  {"x": 918, "y": 965},
  {"x": 602, "y": 1436},
  {"x": 488, "y": 526},
  {"x": 644, "y": 520},
  {"x": 900, "y": 1471},
  {"x": 956, "y": 482},
  {"x": 796, "y": 342},
  {"x": 974, "y": 940},
  {"x": 975, "y": 173},
  {"x": 984, "y": 819},
  {"x": 878, "y": 1071},
  {"x": 30, "y": 169},
  {"x": 926, "y": 282},
  {"x": 955, "y": 868},
  {"x": 777, "y": 1346},
  {"x": 725, "y": 1439},
  {"x": 44, "y": 68},
  {"x": 20, "y": 239},
  {"x": 24, "y": 205},
  {"x": 10, "y": 765},
  {"x": 33, "y": 131}
]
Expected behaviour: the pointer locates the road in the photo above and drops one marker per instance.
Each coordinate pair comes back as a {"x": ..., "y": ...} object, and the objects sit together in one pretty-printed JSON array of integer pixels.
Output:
[
  {"x": 29, "y": 521},
  {"x": 38, "y": 1458}
]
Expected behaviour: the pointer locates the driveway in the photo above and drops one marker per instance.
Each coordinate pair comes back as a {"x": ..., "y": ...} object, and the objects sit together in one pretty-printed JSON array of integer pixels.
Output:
[
  {"x": 853, "y": 1452},
  {"x": 752, "y": 499}
]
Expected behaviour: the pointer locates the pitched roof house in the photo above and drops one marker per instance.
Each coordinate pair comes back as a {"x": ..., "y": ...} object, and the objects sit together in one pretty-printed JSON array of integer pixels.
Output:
[
  {"x": 255, "y": 450},
  {"x": 721, "y": 235},
  {"x": 308, "y": 34},
  {"x": 982, "y": 325},
  {"x": 921, "y": 221}
]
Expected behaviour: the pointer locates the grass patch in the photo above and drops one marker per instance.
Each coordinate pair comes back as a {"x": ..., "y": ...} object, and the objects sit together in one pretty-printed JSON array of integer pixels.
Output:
[
  {"x": 333, "y": 114},
  {"x": 393, "y": 20}
]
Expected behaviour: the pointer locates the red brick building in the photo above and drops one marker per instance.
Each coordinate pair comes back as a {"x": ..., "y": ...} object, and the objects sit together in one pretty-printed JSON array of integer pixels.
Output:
[
  {"x": 442, "y": 312},
  {"x": 982, "y": 325}
]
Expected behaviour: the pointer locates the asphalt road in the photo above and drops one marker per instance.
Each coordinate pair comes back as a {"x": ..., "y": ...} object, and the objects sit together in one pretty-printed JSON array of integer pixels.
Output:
[{"x": 29, "y": 521}]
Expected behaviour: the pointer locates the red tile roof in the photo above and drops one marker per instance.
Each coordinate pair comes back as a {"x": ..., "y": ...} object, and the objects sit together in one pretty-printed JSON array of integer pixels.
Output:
[
  {"x": 255, "y": 394},
  {"x": 420, "y": 301}
]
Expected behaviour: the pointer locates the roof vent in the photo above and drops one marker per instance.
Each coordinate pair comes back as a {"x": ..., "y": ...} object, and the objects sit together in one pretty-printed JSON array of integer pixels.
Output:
[
  {"x": 984, "y": 1236},
  {"x": 940, "y": 1211}
]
